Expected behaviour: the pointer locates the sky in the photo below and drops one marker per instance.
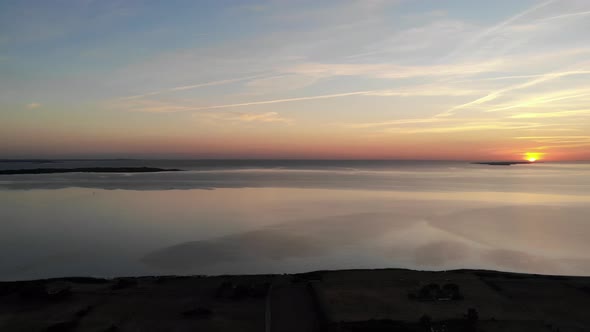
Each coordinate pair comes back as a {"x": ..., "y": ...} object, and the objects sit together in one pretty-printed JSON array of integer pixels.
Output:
[{"x": 346, "y": 79}]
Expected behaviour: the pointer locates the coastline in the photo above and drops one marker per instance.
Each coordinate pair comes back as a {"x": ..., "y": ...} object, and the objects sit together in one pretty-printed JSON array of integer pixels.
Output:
[{"x": 87, "y": 170}]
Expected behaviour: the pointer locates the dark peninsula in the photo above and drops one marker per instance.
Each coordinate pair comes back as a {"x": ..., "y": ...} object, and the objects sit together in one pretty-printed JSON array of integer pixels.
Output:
[{"x": 87, "y": 170}]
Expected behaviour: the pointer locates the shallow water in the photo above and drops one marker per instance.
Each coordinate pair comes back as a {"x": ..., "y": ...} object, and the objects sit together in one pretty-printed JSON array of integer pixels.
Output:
[{"x": 291, "y": 216}]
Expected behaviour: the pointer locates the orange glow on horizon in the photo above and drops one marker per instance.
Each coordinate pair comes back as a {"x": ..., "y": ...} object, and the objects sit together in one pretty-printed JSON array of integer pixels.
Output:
[{"x": 532, "y": 156}]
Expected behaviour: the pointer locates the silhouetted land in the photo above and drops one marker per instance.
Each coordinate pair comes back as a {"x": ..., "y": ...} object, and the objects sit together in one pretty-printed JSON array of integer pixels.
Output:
[
  {"x": 32, "y": 161},
  {"x": 350, "y": 300},
  {"x": 87, "y": 170},
  {"x": 503, "y": 163}
]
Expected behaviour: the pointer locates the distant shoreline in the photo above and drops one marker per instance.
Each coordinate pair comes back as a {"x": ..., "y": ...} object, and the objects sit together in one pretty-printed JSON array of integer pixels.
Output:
[{"x": 87, "y": 170}]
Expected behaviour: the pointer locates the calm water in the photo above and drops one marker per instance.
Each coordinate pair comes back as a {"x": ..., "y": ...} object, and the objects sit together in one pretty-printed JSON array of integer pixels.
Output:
[{"x": 289, "y": 216}]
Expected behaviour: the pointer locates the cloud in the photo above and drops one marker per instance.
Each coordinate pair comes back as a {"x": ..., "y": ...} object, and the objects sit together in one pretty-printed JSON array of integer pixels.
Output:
[
  {"x": 242, "y": 117},
  {"x": 263, "y": 117},
  {"x": 471, "y": 126},
  {"x": 149, "y": 106},
  {"x": 391, "y": 123},
  {"x": 155, "y": 106},
  {"x": 279, "y": 83},
  {"x": 539, "y": 100},
  {"x": 446, "y": 125},
  {"x": 277, "y": 101},
  {"x": 558, "y": 141},
  {"x": 498, "y": 93},
  {"x": 485, "y": 34},
  {"x": 555, "y": 138},
  {"x": 393, "y": 71},
  {"x": 328, "y": 13},
  {"x": 364, "y": 64},
  {"x": 190, "y": 87},
  {"x": 32, "y": 106},
  {"x": 424, "y": 41},
  {"x": 558, "y": 114},
  {"x": 568, "y": 15}
]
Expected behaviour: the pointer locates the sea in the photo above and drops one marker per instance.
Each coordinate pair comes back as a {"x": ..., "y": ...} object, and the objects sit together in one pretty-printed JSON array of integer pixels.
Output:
[{"x": 286, "y": 216}]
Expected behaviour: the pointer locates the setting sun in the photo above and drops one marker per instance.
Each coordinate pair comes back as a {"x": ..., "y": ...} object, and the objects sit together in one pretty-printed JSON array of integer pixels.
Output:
[{"x": 532, "y": 156}]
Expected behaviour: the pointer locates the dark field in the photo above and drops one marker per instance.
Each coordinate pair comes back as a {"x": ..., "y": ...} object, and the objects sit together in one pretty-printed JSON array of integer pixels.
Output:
[{"x": 354, "y": 300}]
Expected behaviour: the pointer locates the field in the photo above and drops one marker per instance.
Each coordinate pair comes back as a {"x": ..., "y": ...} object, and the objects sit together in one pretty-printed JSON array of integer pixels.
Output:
[{"x": 352, "y": 300}]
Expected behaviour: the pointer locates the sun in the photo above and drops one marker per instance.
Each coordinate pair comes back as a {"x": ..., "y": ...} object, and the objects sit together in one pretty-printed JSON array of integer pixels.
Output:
[{"x": 532, "y": 156}]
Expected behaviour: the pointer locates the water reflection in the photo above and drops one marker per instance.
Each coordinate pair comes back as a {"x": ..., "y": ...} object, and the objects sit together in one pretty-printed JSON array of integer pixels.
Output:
[
  {"x": 273, "y": 221},
  {"x": 521, "y": 238}
]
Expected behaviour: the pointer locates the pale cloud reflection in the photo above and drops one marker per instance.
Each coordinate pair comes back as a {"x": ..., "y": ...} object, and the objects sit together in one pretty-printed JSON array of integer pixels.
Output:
[{"x": 470, "y": 238}]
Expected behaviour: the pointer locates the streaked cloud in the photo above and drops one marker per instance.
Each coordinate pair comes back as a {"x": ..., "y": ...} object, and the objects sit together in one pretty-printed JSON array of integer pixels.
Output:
[
  {"x": 154, "y": 106},
  {"x": 487, "y": 33},
  {"x": 242, "y": 117},
  {"x": 341, "y": 71},
  {"x": 32, "y": 106},
  {"x": 568, "y": 15},
  {"x": 277, "y": 84},
  {"x": 190, "y": 87},
  {"x": 472, "y": 126},
  {"x": 392, "y": 71},
  {"x": 558, "y": 114},
  {"x": 263, "y": 117},
  {"x": 392, "y": 123},
  {"x": 510, "y": 89}
]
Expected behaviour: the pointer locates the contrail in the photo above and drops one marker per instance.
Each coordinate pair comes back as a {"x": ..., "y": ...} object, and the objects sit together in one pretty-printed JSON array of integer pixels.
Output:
[
  {"x": 276, "y": 101},
  {"x": 194, "y": 86},
  {"x": 499, "y": 26},
  {"x": 566, "y": 16},
  {"x": 495, "y": 94}
]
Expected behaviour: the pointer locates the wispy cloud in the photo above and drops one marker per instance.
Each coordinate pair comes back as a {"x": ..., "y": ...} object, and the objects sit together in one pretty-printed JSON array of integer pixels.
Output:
[
  {"x": 568, "y": 15},
  {"x": 149, "y": 106},
  {"x": 470, "y": 126},
  {"x": 32, "y": 106},
  {"x": 498, "y": 93},
  {"x": 391, "y": 123},
  {"x": 485, "y": 34},
  {"x": 559, "y": 139},
  {"x": 242, "y": 117},
  {"x": 278, "y": 101},
  {"x": 540, "y": 100},
  {"x": 278, "y": 83},
  {"x": 154, "y": 106},
  {"x": 190, "y": 87},
  {"x": 263, "y": 117},
  {"x": 354, "y": 67},
  {"x": 392, "y": 71},
  {"x": 558, "y": 142},
  {"x": 558, "y": 114}
]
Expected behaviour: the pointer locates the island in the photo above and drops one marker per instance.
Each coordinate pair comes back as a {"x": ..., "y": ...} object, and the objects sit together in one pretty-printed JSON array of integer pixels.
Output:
[{"x": 88, "y": 170}]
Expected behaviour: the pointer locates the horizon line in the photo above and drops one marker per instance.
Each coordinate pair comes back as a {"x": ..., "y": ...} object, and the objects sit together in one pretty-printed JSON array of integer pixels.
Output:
[{"x": 33, "y": 159}]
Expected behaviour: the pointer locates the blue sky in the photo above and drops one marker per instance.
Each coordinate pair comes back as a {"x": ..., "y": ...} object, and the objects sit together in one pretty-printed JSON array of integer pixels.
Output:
[{"x": 418, "y": 79}]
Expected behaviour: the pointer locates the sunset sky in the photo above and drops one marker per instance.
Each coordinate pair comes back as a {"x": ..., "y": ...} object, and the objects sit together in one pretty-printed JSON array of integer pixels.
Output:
[{"x": 366, "y": 79}]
